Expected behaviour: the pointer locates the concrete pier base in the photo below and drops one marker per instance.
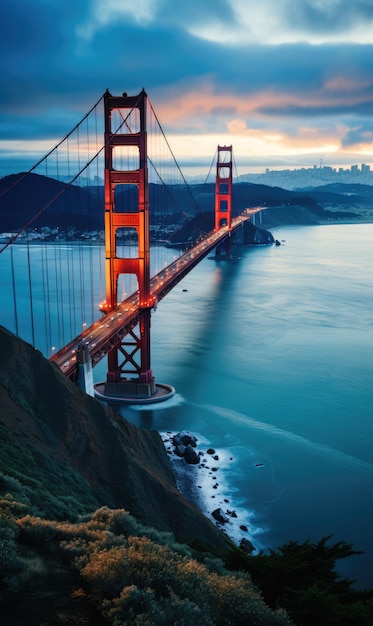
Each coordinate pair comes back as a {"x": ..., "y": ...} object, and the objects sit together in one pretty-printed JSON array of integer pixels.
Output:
[
  {"x": 132, "y": 392},
  {"x": 85, "y": 374}
]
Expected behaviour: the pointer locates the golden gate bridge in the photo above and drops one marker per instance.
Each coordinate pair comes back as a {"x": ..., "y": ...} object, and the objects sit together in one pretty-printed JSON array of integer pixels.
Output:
[{"x": 82, "y": 255}]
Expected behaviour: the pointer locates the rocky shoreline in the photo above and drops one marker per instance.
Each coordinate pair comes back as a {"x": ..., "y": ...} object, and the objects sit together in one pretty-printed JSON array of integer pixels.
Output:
[{"x": 200, "y": 477}]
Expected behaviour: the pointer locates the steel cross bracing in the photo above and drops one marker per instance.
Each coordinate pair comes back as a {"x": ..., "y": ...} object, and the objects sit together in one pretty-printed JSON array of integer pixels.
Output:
[{"x": 109, "y": 332}]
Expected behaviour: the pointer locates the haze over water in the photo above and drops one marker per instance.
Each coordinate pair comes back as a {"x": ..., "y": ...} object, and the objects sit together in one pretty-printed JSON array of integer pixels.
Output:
[{"x": 272, "y": 360}]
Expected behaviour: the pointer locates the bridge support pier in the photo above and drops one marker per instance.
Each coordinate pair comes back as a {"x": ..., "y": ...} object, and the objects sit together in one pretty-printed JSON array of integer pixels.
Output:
[
  {"x": 132, "y": 392},
  {"x": 85, "y": 375}
]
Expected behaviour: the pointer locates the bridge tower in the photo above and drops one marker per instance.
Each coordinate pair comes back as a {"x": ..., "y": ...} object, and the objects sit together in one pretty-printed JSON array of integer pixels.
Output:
[
  {"x": 129, "y": 371},
  {"x": 223, "y": 192}
]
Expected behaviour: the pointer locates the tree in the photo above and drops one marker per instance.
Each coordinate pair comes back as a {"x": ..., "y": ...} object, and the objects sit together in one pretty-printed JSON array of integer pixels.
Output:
[{"x": 301, "y": 578}]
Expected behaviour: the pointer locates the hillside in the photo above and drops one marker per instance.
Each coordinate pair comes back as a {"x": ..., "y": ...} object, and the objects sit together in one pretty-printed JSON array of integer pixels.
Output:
[
  {"x": 70, "y": 453},
  {"x": 91, "y": 524},
  {"x": 91, "y": 520}
]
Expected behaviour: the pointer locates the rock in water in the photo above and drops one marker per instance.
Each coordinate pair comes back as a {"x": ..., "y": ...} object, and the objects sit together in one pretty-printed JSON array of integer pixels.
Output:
[
  {"x": 219, "y": 515},
  {"x": 185, "y": 438},
  {"x": 246, "y": 545},
  {"x": 191, "y": 456},
  {"x": 180, "y": 450}
]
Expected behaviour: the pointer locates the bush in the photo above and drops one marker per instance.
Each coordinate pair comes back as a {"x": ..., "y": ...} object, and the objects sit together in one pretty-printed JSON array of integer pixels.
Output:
[{"x": 126, "y": 578}]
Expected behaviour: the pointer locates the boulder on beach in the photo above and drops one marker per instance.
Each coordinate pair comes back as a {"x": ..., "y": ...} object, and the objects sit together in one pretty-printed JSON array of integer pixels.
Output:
[
  {"x": 184, "y": 444},
  {"x": 184, "y": 438},
  {"x": 246, "y": 545},
  {"x": 180, "y": 450},
  {"x": 191, "y": 456},
  {"x": 220, "y": 516}
]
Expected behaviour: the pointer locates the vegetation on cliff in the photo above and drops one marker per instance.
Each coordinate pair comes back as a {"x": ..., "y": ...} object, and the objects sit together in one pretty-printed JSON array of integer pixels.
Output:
[{"x": 108, "y": 569}]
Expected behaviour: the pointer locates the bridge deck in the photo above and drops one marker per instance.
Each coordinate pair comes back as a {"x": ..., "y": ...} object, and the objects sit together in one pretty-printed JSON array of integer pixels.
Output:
[{"x": 109, "y": 331}]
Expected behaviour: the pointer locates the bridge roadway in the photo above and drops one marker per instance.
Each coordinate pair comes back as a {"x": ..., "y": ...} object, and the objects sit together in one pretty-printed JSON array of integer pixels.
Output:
[{"x": 109, "y": 331}]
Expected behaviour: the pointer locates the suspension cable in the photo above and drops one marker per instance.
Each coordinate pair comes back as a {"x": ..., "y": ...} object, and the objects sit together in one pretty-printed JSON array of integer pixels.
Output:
[
  {"x": 50, "y": 151},
  {"x": 46, "y": 206},
  {"x": 212, "y": 163},
  {"x": 173, "y": 156}
]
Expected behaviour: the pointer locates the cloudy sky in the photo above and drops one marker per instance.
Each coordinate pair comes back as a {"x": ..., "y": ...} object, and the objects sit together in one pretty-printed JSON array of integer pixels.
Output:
[{"x": 286, "y": 82}]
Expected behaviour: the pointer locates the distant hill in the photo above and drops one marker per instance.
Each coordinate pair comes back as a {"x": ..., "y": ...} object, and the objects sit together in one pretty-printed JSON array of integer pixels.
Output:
[
  {"x": 83, "y": 207},
  {"x": 30, "y": 194},
  {"x": 359, "y": 190}
]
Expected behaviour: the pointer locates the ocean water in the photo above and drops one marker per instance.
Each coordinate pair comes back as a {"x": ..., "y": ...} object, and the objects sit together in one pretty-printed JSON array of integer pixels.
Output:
[{"x": 271, "y": 356}]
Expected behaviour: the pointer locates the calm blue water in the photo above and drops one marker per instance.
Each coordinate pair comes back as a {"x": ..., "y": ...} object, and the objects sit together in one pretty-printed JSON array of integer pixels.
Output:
[{"x": 272, "y": 360}]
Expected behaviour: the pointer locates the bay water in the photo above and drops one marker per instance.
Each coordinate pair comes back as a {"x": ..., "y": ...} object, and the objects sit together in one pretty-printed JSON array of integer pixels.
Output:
[{"x": 271, "y": 356}]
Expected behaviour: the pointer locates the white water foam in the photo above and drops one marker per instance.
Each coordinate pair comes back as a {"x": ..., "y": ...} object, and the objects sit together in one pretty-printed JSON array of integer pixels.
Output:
[
  {"x": 207, "y": 486},
  {"x": 175, "y": 400}
]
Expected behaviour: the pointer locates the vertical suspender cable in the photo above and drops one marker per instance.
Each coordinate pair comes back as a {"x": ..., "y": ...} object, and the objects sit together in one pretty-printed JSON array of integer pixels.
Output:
[
  {"x": 30, "y": 292},
  {"x": 45, "y": 301},
  {"x": 81, "y": 290},
  {"x": 61, "y": 284},
  {"x": 69, "y": 254},
  {"x": 90, "y": 225},
  {"x": 48, "y": 301},
  {"x": 60, "y": 311},
  {"x": 99, "y": 225},
  {"x": 91, "y": 280},
  {"x": 57, "y": 293},
  {"x": 69, "y": 294},
  {"x": 73, "y": 290},
  {"x": 14, "y": 290},
  {"x": 81, "y": 275},
  {"x": 62, "y": 299}
]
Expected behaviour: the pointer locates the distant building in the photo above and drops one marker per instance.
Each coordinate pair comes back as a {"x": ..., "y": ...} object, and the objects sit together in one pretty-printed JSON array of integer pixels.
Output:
[{"x": 308, "y": 177}]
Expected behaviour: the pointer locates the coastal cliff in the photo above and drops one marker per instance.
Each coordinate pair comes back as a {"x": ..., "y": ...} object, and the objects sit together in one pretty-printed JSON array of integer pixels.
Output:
[
  {"x": 63, "y": 446},
  {"x": 89, "y": 512},
  {"x": 92, "y": 526}
]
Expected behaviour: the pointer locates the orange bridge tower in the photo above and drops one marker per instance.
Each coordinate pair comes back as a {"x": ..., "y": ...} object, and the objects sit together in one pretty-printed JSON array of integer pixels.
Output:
[
  {"x": 129, "y": 376},
  {"x": 223, "y": 193}
]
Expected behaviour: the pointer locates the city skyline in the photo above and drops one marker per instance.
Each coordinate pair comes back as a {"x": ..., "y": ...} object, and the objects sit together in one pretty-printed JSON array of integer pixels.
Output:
[{"x": 284, "y": 83}]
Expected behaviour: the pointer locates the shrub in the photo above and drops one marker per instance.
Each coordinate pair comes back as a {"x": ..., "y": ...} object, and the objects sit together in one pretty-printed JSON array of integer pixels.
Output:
[{"x": 137, "y": 580}]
